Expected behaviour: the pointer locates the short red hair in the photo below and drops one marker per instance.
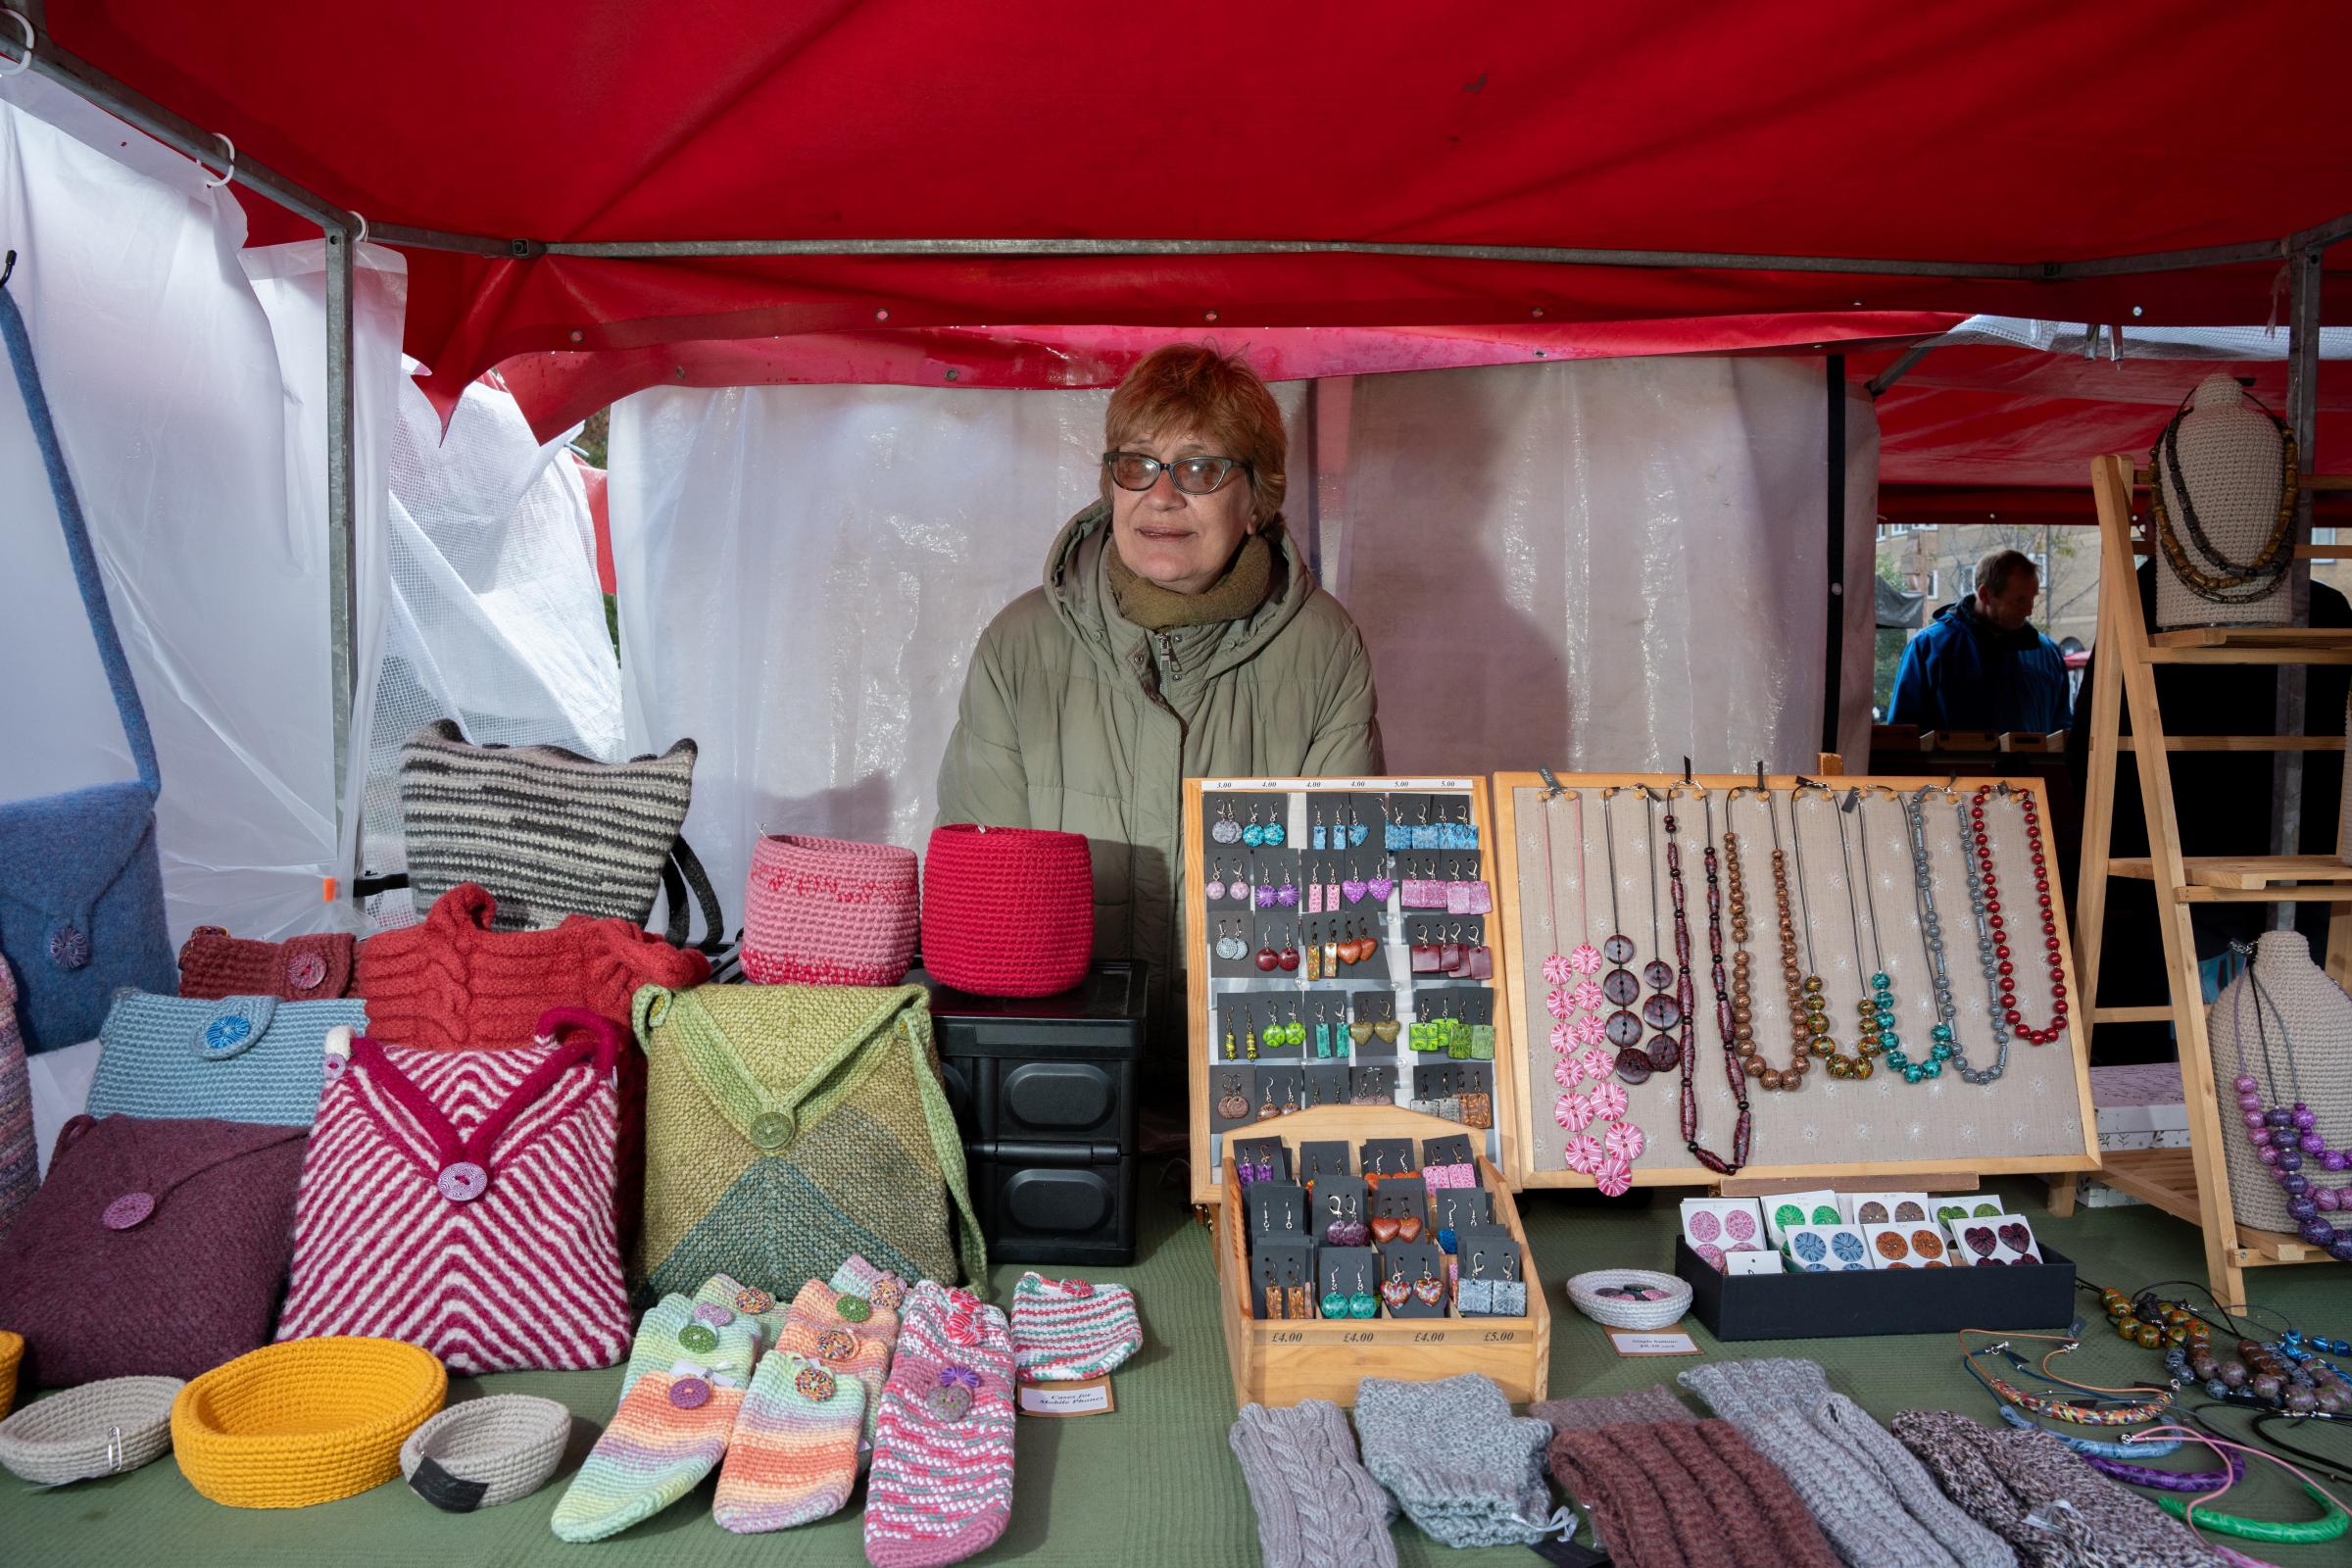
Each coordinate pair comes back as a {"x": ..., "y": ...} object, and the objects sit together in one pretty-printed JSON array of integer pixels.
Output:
[{"x": 1192, "y": 386}]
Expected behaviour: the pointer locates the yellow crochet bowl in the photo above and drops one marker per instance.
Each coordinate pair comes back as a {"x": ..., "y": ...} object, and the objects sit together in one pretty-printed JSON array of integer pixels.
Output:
[
  {"x": 12, "y": 1356},
  {"x": 303, "y": 1422}
]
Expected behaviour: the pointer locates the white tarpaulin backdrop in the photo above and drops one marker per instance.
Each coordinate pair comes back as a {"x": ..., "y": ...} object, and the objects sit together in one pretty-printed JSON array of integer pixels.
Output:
[{"x": 1592, "y": 565}]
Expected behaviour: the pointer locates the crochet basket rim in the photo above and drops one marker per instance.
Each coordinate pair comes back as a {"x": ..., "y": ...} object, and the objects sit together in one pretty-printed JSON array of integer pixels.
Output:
[
  {"x": 49, "y": 1442},
  {"x": 1616, "y": 1312},
  {"x": 390, "y": 1389},
  {"x": 510, "y": 1442},
  {"x": 860, "y": 850}
]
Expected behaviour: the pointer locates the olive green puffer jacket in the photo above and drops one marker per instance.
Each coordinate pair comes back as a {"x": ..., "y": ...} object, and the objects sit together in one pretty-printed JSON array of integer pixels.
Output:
[{"x": 1073, "y": 718}]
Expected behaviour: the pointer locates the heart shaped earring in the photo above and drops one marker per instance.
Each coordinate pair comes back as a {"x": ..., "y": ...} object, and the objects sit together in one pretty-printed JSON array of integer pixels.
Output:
[
  {"x": 1394, "y": 1291},
  {"x": 2015, "y": 1238},
  {"x": 1388, "y": 1029},
  {"x": 1352, "y": 890},
  {"x": 1427, "y": 1289},
  {"x": 1409, "y": 1229},
  {"x": 1360, "y": 1033},
  {"x": 1383, "y": 1229},
  {"x": 1379, "y": 888}
]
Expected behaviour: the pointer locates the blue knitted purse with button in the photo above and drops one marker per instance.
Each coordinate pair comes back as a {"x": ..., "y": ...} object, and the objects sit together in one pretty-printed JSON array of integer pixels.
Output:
[
  {"x": 82, "y": 890},
  {"x": 241, "y": 1059}
]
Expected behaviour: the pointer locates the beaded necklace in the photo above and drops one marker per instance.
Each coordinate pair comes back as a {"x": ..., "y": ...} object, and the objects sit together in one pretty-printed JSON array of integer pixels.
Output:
[
  {"x": 1669, "y": 1006},
  {"x": 1618, "y": 987},
  {"x": 1879, "y": 1006},
  {"x": 2285, "y": 1140},
  {"x": 1808, "y": 1008},
  {"x": 1582, "y": 1065},
  {"x": 1869, "y": 1033},
  {"x": 2006, "y": 1008},
  {"x": 1725, "y": 1026},
  {"x": 1744, "y": 1019},
  {"x": 2234, "y": 584},
  {"x": 2101, "y": 1410},
  {"x": 1944, "y": 1032}
]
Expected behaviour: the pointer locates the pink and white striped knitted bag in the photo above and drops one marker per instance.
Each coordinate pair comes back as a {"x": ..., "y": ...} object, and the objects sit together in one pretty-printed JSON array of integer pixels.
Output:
[{"x": 462, "y": 1200}]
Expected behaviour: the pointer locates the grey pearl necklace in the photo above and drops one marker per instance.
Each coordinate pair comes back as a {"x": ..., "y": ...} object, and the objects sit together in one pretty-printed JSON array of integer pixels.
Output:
[{"x": 1985, "y": 949}]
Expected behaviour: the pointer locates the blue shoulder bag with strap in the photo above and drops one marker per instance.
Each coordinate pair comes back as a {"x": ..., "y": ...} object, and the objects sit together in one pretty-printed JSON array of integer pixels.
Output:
[{"x": 81, "y": 888}]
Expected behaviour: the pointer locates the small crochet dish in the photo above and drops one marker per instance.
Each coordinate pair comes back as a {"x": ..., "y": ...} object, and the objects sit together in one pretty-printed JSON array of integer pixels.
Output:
[
  {"x": 304, "y": 1421},
  {"x": 486, "y": 1451},
  {"x": 1630, "y": 1298},
  {"x": 96, "y": 1429},
  {"x": 12, "y": 1356}
]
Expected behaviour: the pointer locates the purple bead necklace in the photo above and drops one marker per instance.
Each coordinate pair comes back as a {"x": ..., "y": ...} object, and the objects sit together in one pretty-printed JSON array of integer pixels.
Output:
[{"x": 2284, "y": 1138}]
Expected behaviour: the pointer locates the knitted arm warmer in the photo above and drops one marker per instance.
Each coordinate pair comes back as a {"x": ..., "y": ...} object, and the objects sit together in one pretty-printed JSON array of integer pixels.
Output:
[
  {"x": 1875, "y": 1449},
  {"x": 1766, "y": 1401},
  {"x": 2052, "y": 1506},
  {"x": 1316, "y": 1506},
  {"x": 1460, "y": 1465},
  {"x": 1653, "y": 1403}
]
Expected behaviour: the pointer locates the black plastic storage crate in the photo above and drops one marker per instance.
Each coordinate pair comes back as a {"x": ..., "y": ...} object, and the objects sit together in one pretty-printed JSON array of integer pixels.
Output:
[{"x": 1044, "y": 1091}]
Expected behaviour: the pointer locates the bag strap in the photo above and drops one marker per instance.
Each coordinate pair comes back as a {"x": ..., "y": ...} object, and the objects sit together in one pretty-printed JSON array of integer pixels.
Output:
[
  {"x": 78, "y": 540},
  {"x": 682, "y": 870},
  {"x": 947, "y": 1143}
]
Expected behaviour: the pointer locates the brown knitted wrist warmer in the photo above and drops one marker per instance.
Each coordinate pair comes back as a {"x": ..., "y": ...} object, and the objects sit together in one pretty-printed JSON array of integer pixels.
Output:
[
  {"x": 1629, "y": 1517},
  {"x": 1751, "y": 1487},
  {"x": 1675, "y": 1493}
]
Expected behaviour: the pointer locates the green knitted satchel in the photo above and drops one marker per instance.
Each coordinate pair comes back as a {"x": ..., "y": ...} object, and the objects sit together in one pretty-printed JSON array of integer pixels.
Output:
[{"x": 787, "y": 1127}]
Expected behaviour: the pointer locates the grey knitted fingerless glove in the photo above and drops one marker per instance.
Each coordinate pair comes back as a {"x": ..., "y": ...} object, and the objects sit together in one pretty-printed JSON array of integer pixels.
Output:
[
  {"x": 1316, "y": 1506},
  {"x": 1462, "y": 1467}
]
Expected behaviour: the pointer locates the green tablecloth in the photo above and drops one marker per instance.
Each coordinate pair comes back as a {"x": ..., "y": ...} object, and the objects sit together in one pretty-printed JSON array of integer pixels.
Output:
[{"x": 1154, "y": 1482}]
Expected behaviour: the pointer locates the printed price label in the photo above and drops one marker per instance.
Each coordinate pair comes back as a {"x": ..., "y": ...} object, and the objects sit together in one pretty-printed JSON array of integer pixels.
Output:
[{"x": 1088, "y": 1396}]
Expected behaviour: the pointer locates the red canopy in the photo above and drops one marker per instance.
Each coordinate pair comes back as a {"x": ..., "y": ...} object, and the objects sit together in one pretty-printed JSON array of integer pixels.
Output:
[{"x": 2013, "y": 132}]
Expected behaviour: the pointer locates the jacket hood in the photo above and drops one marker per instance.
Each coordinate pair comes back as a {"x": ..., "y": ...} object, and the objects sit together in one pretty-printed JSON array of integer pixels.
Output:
[{"x": 1073, "y": 586}]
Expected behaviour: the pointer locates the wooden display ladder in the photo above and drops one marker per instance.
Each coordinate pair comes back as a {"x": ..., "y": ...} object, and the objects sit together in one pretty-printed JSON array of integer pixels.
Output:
[{"x": 2191, "y": 1183}]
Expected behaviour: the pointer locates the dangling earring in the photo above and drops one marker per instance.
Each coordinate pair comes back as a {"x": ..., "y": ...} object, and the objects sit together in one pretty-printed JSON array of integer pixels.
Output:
[
  {"x": 1230, "y": 946},
  {"x": 1225, "y": 830},
  {"x": 1315, "y": 837},
  {"x": 1229, "y": 1047},
  {"x": 1253, "y": 835},
  {"x": 1250, "y": 1035},
  {"x": 1274, "y": 833},
  {"x": 1288, "y": 894},
  {"x": 1274, "y": 1300},
  {"x": 1215, "y": 889}
]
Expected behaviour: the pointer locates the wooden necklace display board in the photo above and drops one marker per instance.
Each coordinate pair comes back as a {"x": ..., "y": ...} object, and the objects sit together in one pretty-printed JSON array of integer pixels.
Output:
[
  {"x": 1941, "y": 1131},
  {"x": 1230, "y": 992}
]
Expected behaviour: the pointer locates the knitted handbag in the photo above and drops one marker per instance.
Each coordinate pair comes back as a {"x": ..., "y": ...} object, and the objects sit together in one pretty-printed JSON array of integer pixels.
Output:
[
  {"x": 180, "y": 1229},
  {"x": 1007, "y": 911},
  {"x": 462, "y": 1200},
  {"x": 790, "y": 1126},
  {"x": 307, "y": 969},
  {"x": 2285, "y": 1024},
  {"x": 552, "y": 833},
  {"x": 19, "y": 1154},
  {"x": 82, "y": 890},
  {"x": 828, "y": 912},
  {"x": 241, "y": 1058}
]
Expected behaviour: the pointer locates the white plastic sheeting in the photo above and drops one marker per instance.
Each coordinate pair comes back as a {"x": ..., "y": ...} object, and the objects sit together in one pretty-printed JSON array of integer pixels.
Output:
[
  {"x": 495, "y": 618},
  {"x": 189, "y": 399},
  {"x": 1599, "y": 566},
  {"x": 1605, "y": 564}
]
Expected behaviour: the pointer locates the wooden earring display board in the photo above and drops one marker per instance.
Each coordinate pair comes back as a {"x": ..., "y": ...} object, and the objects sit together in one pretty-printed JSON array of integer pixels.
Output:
[
  {"x": 1206, "y": 991},
  {"x": 2037, "y": 1118}
]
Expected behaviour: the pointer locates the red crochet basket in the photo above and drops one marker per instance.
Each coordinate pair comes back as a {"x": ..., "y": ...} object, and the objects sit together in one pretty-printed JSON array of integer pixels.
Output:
[
  {"x": 828, "y": 912},
  {"x": 1007, "y": 911}
]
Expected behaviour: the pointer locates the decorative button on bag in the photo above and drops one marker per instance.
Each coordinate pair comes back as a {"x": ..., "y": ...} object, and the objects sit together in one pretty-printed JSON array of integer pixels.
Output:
[
  {"x": 197, "y": 1215},
  {"x": 239, "y": 1058},
  {"x": 464, "y": 1201}
]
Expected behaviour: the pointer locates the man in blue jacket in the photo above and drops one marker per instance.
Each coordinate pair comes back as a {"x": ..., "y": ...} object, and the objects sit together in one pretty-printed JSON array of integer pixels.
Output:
[{"x": 1981, "y": 666}]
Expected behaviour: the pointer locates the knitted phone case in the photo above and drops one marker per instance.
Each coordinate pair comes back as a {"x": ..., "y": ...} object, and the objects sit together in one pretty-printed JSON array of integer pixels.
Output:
[{"x": 1067, "y": 1330}]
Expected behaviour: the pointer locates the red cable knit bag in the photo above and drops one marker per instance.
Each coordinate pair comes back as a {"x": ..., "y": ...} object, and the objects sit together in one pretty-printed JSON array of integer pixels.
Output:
[
  {"x": 462, "y": 1200},
  {"x": 1007, "y": 911},
  {"x": 156, "y": 1247},
  {"x": 215, "y": 965},
  {"x": 828, "y": 912}
]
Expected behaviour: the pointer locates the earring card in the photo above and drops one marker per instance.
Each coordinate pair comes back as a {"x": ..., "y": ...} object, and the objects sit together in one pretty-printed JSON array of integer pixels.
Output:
[{"x": 1318, "y": 1160}]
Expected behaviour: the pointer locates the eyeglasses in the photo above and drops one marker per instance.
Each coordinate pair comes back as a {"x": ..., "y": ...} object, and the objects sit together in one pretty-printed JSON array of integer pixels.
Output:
[{"x": 1195, "y": 476}]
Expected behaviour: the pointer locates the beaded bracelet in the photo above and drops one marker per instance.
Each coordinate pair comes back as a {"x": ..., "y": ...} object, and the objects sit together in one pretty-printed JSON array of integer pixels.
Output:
[
  {"x": 2327, "y": 1527},
  {"x": 2122, "y": 1416}
]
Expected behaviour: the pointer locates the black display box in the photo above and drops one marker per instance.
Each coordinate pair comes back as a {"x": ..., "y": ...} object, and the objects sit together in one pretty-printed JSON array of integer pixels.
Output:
[
  {"x": 1870, "y": 1301},
  {"x": 1044, "y": 1091}
]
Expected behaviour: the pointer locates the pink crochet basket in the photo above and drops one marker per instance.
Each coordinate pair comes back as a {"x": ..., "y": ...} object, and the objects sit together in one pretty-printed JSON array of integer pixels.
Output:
[
  {"x": 828, "y": 912},
  {"x": 1008, "y": 911}
]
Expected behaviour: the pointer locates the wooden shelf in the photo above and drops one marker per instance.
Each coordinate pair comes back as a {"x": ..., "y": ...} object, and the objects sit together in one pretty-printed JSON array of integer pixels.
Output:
[
  {"x": 2249, "y": 879},
  {"x": 2167, "y": 1179},
  {"x": 2240, "y": 743},
  {"x": 2311, "y": 637}
]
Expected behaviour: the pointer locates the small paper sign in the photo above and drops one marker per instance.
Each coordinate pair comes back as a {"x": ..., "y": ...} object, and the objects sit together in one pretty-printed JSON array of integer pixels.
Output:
[
  {"x": 1652, "y": 1342},
  {"x": 1088, "y": 1397}
]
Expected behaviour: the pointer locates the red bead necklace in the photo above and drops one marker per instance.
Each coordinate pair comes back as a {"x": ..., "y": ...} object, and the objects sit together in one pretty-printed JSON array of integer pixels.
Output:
[{"x": 2007, "y": 968}]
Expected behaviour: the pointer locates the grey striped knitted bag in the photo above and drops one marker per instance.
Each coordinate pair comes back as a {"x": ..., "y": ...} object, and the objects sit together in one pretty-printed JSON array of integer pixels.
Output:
[{"x": 548, "y": 831}]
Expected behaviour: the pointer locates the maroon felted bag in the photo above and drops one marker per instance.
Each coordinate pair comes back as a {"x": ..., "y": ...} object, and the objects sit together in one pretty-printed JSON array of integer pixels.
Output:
[
  {"x": 154, "y": 1247},
  {"x": 215, "y": 965}
]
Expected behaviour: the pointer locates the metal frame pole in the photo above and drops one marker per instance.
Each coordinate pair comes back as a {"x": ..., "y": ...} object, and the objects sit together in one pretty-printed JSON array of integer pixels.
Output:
[
  {"x": 342, "y": 497},
  {"x": 2303, "y": 278},
  {"x": 1833, "y": 673}
]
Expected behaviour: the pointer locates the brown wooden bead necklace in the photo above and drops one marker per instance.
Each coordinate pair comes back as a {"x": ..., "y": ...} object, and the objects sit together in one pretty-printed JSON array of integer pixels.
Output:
[{"x": 1808, "y": 1015}]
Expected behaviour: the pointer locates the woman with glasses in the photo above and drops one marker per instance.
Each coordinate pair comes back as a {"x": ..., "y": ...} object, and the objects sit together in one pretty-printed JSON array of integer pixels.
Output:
[{"x": 1178, "y": 632}]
